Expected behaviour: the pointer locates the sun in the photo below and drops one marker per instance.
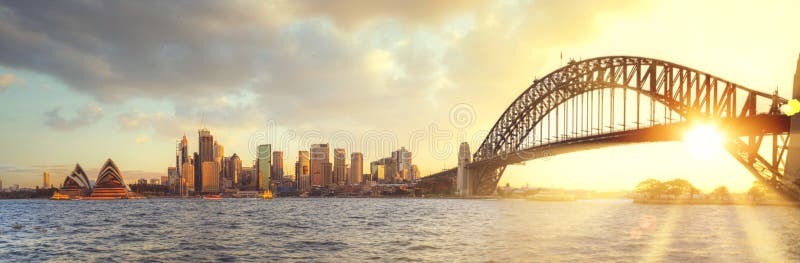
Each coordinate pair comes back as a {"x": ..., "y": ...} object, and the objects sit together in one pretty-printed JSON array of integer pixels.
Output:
[{"x": 704, "y": 141}]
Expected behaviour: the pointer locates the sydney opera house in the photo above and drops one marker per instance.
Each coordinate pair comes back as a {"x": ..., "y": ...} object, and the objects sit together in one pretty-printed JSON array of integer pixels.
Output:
[{"x": 109, "y": 184}]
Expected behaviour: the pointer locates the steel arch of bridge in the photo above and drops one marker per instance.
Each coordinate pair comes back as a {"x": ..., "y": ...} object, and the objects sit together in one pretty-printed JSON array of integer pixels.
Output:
[{"x": 688, "y": 93}]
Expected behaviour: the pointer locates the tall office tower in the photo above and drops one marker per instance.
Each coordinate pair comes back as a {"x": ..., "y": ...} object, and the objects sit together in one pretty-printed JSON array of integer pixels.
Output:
[
  {"x": 339, "y": 166},
  {"x": 356, "y": 168},
  {"x": 277, "y": 165},
  {"x": 235, "y": 169},
  {"x": 206, "y": 154},
  {"x": 46, "y": 179},
  {"x": 320, "y": 154},
  {"x": 198, "y": 173},
  {"x": 301, "y": 170},
  {"x": 210, "y": 177},
  {"x": 164, "y": 180},
  {"x": 181, "y": 157},
  {"x": 264, "y": 166},
  {"x": 206, "y": 145}
]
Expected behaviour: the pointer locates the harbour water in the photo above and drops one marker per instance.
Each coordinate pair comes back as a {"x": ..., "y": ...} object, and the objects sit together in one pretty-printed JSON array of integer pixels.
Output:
[{"x": 415, "y": 230}]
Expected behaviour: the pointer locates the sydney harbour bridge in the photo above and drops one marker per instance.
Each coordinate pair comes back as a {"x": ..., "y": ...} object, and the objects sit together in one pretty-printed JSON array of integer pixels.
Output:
[{"x": 609, "y": 101}]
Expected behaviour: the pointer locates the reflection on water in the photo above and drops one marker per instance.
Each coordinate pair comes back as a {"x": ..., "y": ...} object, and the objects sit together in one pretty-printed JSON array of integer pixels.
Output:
[{"x": 392, "y": 230}]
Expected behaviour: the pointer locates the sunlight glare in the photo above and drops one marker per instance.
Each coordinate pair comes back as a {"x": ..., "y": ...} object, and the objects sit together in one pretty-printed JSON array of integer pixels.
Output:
[{"x": 704, "y": 141}]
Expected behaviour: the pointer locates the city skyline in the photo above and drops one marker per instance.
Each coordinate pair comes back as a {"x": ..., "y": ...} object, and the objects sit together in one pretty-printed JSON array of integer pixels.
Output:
[{"x": 322, "y": 70}]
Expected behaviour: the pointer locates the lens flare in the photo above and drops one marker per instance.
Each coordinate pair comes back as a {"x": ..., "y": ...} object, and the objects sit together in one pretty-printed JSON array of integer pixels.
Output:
[{"x": 704, "y": 141}]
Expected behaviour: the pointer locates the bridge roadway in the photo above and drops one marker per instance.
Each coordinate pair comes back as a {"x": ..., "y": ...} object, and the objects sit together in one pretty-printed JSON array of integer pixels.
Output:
[{"x": 739, "y": 127}]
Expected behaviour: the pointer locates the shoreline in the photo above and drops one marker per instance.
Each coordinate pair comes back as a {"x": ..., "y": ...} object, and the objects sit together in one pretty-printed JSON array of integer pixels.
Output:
[{"x": 717, "y": 202}]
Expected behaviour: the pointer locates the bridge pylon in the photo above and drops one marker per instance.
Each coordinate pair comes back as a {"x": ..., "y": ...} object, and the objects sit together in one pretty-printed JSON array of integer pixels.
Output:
[
  {"x": 463, "y": 181},
  {"x": 792, "y": 173}
]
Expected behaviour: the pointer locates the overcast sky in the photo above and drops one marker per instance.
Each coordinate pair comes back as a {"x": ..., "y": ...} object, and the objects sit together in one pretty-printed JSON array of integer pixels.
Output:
[{"x": 82, "y": 81}]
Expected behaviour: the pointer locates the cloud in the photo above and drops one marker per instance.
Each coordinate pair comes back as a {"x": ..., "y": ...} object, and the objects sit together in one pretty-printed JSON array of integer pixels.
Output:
[
  {"x": 6, "y": 80},
  {"x": 83, "y": 117},
  {"x": 350, "y": 13}
]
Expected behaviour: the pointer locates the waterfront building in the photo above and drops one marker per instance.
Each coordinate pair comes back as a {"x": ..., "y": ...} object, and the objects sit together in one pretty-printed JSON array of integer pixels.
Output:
[
  {"x": 110, "y": 184},
  {"x": 264, "y": 166},
  {"x": 304, "y": 183},
  {"x": 210, "y": 177},
  {"x": 76, "y": 183},
  {"x": 187, "y": 177},
  {"x": 206, "y": 154},
  {"x": 46, "y": 180},
  {"x": 247, "y": 178},
  {"x": 205, "y": 145},
  {"x": 339, "y": 169},
  {"x": 172, "y": 179},
  {"x": 380, "y": 173},
  {"x": 356, "y": 168},
  {"x": 235, "y": 169},
  {"x": 181, "y": 157},
  {"x": 403, "y": 160},
  {"x": 301, "y": 171},
  {"x": 198, "y": 172},
  {"x": 277, "y": 165},
  {"x": 327, "y": 174},
  {"x": 320, "y": 164}
]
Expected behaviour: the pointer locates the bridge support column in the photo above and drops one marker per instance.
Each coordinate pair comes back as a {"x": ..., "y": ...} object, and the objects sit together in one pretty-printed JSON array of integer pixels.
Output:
[
  {"x": 792, "y": 171},
  {"x": 462, "y": 176}
]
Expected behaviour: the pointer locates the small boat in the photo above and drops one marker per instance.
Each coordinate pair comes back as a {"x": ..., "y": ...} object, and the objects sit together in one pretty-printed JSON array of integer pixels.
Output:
[
  {"x": 59, "y": 196},
  {"x": 266, "y": 195},
  {"x": 212, "y": 197}
]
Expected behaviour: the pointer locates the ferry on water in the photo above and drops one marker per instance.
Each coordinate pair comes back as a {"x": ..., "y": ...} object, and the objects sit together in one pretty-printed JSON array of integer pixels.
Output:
[
  {"x": 59, "y": 196},
  {"x": 212, "y": 197}
]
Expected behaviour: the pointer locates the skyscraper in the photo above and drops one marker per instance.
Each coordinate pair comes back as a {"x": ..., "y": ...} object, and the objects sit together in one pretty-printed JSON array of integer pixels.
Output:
[
  {"x": 235, "y": 169},
  {"x": 198, "y": 173},
  {"x": 301, "y": 170},
  {"x": 46, "y": 179},
  {"x": 339, "y": 166},
  {"x": 319, "y": 163},
  {"x": 206, "y": 145},
  {"x": 181, "y": 157},
  {"x": 206, "y": 154},
  {"x": 356, "y": 168},
  {"x": 210, "y": 177},
  {"x": 277, "y": 165},
  {"x": 264, "y": 166}
]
